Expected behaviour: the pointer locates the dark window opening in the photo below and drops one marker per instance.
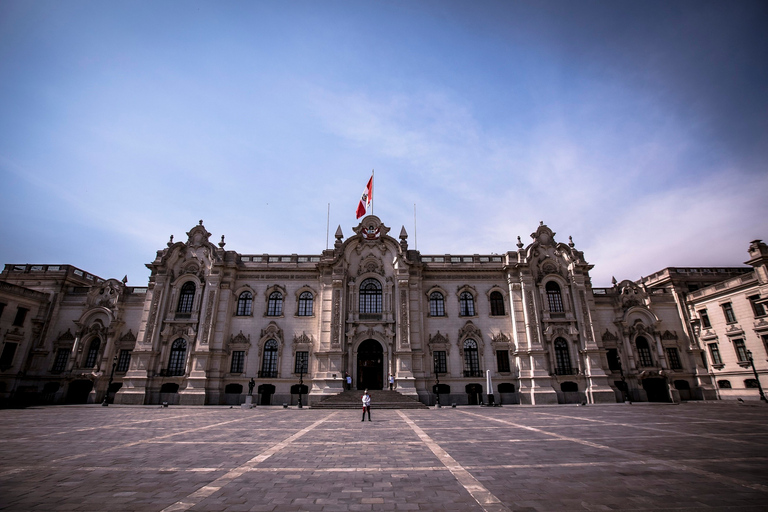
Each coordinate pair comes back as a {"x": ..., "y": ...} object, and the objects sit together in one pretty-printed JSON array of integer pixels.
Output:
[
  {"x": 674, "y": 359},
  {"x": 177, "y": 361},
  {"x": 21, "y": 314},
  {"x": 554, "y": 297},
  {"x": 497, "y": 304},
  {"x": 562, "y": 358},
  {"x": 62, "y": 356},
  {"x": 238, "y": 361},
  {"x": 245, "y": 304},
  {"x": 440, "y": 362},
  {"x": 124, "y": 361},
  {"x": 306, "y": 304},
  {"x": 502, "y": 360},
  {"x": 613, "y": 360},
  {"x": 466, "y": 304},
  {"x": 186, "y": 298},
  {"x": 269, "y": 362},
  {"x": 93, "y": 353},
  {"x": 644, "y": 351},
  {"x": 436, "y": 304},
  {"x": 302, "y": 362},
  {"x": 6, "y": 358},
  {"x": 275, "y": 304},
  {"x": 471, "y": 360},
  {"x": 370, "y": 297}
]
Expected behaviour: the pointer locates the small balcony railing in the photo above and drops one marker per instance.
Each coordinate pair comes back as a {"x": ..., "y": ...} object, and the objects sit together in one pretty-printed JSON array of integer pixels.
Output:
[
  {"x": 565, "y": 371},
  {"x": 473, "y": 373},
  {"x": 270, "y": 374}
]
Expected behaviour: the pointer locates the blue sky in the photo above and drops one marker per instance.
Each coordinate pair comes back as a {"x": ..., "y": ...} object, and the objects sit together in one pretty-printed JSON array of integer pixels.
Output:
[{"x": 639, "y": 128}]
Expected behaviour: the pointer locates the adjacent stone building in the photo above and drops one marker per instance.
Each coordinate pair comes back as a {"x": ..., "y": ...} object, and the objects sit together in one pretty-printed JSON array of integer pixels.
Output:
[{"x": 212, "y": 319}]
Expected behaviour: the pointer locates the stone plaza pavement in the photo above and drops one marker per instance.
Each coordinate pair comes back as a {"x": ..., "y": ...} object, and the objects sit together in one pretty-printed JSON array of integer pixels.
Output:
[{"x": 695, "y": 456}]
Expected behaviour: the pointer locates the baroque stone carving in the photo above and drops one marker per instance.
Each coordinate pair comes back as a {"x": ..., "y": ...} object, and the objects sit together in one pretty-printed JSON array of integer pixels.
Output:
[{"x": 609, "y": 336}]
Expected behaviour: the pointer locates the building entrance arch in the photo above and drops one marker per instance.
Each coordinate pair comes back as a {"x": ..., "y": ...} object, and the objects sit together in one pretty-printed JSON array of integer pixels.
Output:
[{"x": 370, "y": 365}]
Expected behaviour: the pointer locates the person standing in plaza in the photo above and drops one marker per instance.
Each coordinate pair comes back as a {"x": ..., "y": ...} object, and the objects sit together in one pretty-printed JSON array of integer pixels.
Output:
[
  {"x": 366, "y": 405},
  {"x": 349, "y": 382},
  {"x": 391, "y": 382}
]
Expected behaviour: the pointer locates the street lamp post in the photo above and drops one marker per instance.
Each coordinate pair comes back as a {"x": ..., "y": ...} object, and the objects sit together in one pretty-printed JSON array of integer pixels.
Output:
[
  {"x": 757, "y": 378},
  {"x": 301, "y": 382},
  {"x": 105, "y": 403}
]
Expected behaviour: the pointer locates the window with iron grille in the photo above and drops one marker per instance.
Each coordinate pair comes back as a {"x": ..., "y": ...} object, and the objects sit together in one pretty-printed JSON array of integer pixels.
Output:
[
  {"x": 124, "y": 361},
  {"x": 186, "y": 298},
  {"x": 714, "y": 352},
  {"x": 562, "y": 357},
  {"x": 62, "y": 356},
  {"x": 741, "y": 350},
  {"x": 370, "y": 296},
  {"x": 730, "y": 317},
  {"x": 674, "y": 359},
  {"x": 705, "y": 323},
  {"x": 302, "y": 362},
  {"x": 644, "y": 351},
  {"x": 614, "y": 364},
  {"x": 440, "y": 362},
  {"x": 93, "y": 353},
  {"x": 275, "y": 304},
  {"x": 497, "y": 304},
  {"x": 269, "y": 362},
  {"x": 466, "y": 304},
  {"x": 502, "y": 361},
  {"x": 554, "y": 297},
  {"x": 245, "y": 304},
  {"x": 177, "y": 360},
  {"x": 724, "y": 384},
  {"x": 436, "y": 304},
  {"x": 238, "y": 361},
  {"x": 471, "y": 359},
  {"x": 306, "y": 304}
]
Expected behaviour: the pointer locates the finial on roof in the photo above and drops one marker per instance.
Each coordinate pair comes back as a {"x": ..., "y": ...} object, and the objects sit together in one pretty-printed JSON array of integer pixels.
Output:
[
  {"x": 339, "y": 235},
  {"x": 201, "y": 222},
  {"x": 570, "y": 242},
  {"x": 170, "y": 242},
  {"x": 125, "y": 278},
  {"x": 403, "y": 233},
  {"x": 222, "y": 244},
  {"x": 613, "y": 280},
  {"x": 519, "y": 243},
  {"x": 541, "y": 222}
]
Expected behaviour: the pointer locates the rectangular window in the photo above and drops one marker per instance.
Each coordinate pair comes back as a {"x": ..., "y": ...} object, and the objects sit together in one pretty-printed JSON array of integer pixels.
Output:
[
  {"x": 124, "y": 361},
  {"x": 2, "y": 307},
  {"x": 62, "y": 356},
  {"x": 764, "y": 337},
  {"x": 238, "y": 361},
  {"x": 613, "y": 360},
  {"x": 730, "y": 317},
  {"x": 741, "y": 350},
  {"x": 715, "y": 353},
  {"x": 302, "y": 362},
  {"x": 440, "y": 362},
  {"x": 6, "y": 359},
  {"x": 757, "y": 307},
  {"x": 502, "y": 360},
  {"x": 21, "y": 314},
  {"x": 674, "y": 359},
  {"x": 705, "y": 323}
]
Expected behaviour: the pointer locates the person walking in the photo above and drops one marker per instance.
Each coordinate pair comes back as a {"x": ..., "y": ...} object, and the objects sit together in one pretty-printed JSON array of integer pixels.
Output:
[
  {"x": 349, "y": 382},
  {"x": 366, "y": 405},
  {"x": 391, "y": 382}
]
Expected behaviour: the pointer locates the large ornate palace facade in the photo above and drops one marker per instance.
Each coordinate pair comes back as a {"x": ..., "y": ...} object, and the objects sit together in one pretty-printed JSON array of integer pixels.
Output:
[{"x": 211, "y": 319}]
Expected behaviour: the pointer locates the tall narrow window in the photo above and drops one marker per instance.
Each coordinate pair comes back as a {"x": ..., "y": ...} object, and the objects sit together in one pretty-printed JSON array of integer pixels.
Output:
[
  {"x": 554, "y": 297},
  {"x": 238, "y": 361},
  {"x": 440, "y": 362},
  {"x": 471, "y": 360},
  {"x": 562, "y": 358},
  {"x": 705, "y": 323},
  {"x": 245, "y": 304},
  {"x": 436, "y": 304},
  {"x": 21, "y": 314},
  {"x": 306, "y": 304},
  {"x": 741, "y": 350},
  {"x": 644, "y": 351},
  {"x": 269, "y": 361},
  {"x": 757, "y": 307},
  {"x": 764, "y": 337},
  {"x": 502, "y": 361},
  {"x": 124, "y": 361},
  {"x": 466, "y": 304},
  {"x": 302, "y": 362},
  {"x": 6, "y": 359},
  {"x": 186, "y": 298},
  {"x": 497, "y": 304},
  {"x": 60, "y": 364},
  {"x": 275, "y": 304},
  {"x": 93, "y": 352},
  {"x": 177, "y": 361},
  {"x": 730, "y": 317},
  {"x": 370, "y": 297},
  {"x": 614, "y": 363},
  {"x": 2, "y": 307},
  {"x": 674, "y": 358},
  {"x": 714, "y": 352}
]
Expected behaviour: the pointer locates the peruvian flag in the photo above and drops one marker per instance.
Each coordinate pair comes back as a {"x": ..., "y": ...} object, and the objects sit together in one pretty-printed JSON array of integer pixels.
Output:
[{"x": 365, "y": 200}]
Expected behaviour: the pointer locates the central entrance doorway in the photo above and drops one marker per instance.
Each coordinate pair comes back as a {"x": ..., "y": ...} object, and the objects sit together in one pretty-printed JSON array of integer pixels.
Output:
[{"x": 370, "y": 365}]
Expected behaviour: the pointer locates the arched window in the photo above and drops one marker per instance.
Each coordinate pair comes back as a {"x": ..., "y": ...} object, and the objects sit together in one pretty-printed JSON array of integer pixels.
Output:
[
  {"x": 751, "y": 383},
  {"x": 554, "y": 297},
  {"x": 471, "y": 360},
  {"x": 370, "y": 296},
  {"x": 176, "y": 363},
  {"x": 562, "y": 358},
  {"x": 186, "y": 298},
  {"x": 245, "y": 304},
  {"x": 306, "y": 304},
  {"x": 497, "y": 304},
  {"x": 269, "y": 362},
  {"x": 724, "y": 384},
  {"x": 436, "y": 304},
  {"x": 644, "y": 351},
  {"x": 466, "y": 304},
  {"x": 93, "y": 352},
  {"x": 275, "y": 304}
]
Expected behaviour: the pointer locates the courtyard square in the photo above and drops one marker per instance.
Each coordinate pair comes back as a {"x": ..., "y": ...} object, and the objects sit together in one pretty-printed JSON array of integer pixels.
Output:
[{"x": 694, "y": 456}]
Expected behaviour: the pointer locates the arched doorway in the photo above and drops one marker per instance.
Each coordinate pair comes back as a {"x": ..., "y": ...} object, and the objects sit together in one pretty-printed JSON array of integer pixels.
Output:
[
  {"x": 78, "y": 391},
  {"x": 370, "y": 365},
  {"x": 474, "y": 394},
  {"x": 656, "y": 389}
]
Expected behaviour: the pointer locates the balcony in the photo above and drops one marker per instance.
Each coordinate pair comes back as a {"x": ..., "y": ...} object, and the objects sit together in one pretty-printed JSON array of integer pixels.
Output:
[
  {"x": 473, "y": 373},
  {"x": 271, "y": 374},
  {"x": 565, "y": 371}
]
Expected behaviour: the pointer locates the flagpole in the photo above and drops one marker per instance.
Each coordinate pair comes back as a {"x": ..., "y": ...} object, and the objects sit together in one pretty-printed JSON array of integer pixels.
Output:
[
  {"x": 327, "y": 226},
  {"x": 371, "y": 191},
  {"x": 415, "y": 233}
]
